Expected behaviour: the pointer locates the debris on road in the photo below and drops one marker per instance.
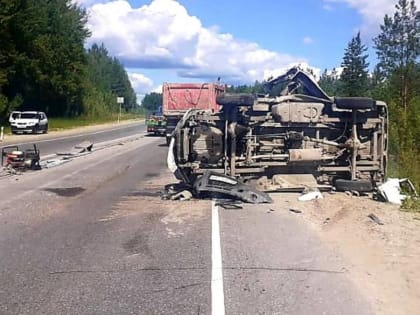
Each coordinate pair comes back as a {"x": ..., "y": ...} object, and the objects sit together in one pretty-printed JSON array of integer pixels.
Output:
[
  {"x": 375, "y": 219},
  {"x": 212, "y": 184},
  {"x": 78, "y": 150},
  {"x": 295, "y": 210},
  {"x": 15, "y": 159},
  {"x": 83, "y": 147},
  {"x": 310, "y": 195},
  {"x": 216, "y": 186},
  {"x": 182, "y": 195},
  {"x": 391, "y": 190},
  {"x": 229, "y": 204}
]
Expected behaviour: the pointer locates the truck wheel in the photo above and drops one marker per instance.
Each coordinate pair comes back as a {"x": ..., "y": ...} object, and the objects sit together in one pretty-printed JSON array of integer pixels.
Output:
[
  {"x": 237, "y": 99},
  {"x": 353, "y": 185}
]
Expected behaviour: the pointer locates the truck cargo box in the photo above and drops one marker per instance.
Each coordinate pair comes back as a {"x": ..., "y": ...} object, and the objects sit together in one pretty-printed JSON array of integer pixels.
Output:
[{"x": 179, "y": 97}]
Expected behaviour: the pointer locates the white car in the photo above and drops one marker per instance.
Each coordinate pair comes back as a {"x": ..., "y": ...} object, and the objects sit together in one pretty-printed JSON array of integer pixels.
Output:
[{"x": 30, "y": 121}]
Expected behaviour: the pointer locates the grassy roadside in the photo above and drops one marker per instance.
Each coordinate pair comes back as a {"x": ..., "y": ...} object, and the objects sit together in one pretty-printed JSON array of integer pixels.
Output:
[{"x": 55, "y": 124}]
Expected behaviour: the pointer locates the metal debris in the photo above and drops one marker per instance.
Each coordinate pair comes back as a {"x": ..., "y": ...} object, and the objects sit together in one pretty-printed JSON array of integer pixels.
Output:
[
  {"x": 228, "y": 204},
  {"x": 212, "y": 184},
  {"x": 295, "y": 210},
  {"x": 375, "y": 219},
  {"x": 83, "y": 147}
]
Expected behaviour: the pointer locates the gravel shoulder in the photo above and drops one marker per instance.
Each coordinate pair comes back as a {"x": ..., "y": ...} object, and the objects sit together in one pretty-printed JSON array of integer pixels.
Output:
[{"x": 381, "y": 259}]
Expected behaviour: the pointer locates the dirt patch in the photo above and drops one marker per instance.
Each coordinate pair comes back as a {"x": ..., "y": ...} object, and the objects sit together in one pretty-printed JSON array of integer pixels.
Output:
[{"x": 383, "y": 260}]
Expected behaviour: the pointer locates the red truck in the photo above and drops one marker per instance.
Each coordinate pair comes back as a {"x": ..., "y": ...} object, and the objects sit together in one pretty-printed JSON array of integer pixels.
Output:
[{"x": 180, "y": 97}]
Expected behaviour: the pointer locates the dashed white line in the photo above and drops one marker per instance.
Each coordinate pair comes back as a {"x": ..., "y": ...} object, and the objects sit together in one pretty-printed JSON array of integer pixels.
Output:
[{"x": 217, "y": 295}]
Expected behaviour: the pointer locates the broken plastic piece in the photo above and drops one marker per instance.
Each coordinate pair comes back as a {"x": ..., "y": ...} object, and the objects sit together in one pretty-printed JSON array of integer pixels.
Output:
[
  {"x": 391, "y": 190},
  {"x": 311, "y": 195}
]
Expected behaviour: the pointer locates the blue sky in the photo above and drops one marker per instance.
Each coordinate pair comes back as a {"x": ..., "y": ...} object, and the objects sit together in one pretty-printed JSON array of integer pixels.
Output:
[{"x": 240, "y": 41}]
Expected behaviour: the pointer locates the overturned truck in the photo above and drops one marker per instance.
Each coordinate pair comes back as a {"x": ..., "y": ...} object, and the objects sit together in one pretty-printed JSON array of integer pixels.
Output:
[{"x": 292, "y": 137}]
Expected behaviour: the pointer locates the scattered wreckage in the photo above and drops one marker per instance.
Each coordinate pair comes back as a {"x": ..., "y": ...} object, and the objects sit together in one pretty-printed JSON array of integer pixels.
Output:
[
  {"x": 17, "y": 159},
  {"x": 293, "y": 137},
  {"x": 14, "y": 158}
]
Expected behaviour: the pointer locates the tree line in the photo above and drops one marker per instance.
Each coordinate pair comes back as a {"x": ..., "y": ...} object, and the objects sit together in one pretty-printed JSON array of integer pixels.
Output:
[{"x": 44, "y": 65}]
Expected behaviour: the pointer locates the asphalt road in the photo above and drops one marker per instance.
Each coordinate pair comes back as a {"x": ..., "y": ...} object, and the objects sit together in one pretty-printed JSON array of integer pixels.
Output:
[
  {"x": 62, "y": 142},
  {"x": 94, "y": 237}
]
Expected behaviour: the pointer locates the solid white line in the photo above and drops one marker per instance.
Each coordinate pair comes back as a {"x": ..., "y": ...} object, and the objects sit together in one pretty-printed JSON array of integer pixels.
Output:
[{"x": 217, "y": 296}]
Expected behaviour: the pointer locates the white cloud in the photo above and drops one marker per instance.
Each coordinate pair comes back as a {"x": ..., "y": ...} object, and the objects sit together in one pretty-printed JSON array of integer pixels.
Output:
[
  {"x": 372, "y": 12},
  {"x": 157, "y": 89},
  {"x": 140, "y": 83},
  {"x": 307, "y": 40},
  {"x": 163, "y": 35}
]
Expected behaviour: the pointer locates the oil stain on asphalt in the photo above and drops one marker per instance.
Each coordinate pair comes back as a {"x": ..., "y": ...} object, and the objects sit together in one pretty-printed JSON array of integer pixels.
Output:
[{"x": 66, "y": 192}]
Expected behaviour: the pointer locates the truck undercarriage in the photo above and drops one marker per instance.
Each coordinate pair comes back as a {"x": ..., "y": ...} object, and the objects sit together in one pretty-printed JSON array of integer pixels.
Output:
[{"x": 276, "y": 140}]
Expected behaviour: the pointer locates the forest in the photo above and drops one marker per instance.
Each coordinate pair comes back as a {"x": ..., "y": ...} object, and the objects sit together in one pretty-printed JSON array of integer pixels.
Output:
[{"x": 44, "y": 65}]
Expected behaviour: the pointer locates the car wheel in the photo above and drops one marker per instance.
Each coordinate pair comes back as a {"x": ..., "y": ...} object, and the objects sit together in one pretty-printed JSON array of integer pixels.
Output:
[
  {"x": 228, "y": 99},
  {"x": 35, "y": 129},
  {"x": 353, "y": 185},
  {"x": 45, "y": 129}
]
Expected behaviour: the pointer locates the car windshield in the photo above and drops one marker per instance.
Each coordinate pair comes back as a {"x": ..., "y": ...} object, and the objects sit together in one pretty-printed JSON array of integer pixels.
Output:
[
  {"x": 15, "y": 115},
  {"x": 29, "y": 115}
]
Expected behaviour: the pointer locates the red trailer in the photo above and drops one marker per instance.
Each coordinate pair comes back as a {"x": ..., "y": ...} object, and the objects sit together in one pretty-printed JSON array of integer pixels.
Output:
[{"x": 179, "y": 97}]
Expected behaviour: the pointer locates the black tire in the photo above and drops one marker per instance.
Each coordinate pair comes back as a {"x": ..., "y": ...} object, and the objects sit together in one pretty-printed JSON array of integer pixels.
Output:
[
  {"x": 354, "y": 102},
  {"x": 353, "y": 185},
  {"x": 168, "y": 141},
  {"x": 238, "y": 99},
  {"x": 45, "y": 129},
  {"x": 35, "y": 129}
]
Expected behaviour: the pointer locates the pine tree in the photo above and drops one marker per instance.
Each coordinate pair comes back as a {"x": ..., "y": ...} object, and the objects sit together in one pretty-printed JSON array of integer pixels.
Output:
[
  {"x": 329, "y": 82},
  {"x": 354, "y": 78},
  {"x": 398, "y": 51}
]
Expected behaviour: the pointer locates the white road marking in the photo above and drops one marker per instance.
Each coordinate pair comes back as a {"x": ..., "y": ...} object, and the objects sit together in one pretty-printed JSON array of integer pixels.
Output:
[{"x": 217, "y": 295}]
